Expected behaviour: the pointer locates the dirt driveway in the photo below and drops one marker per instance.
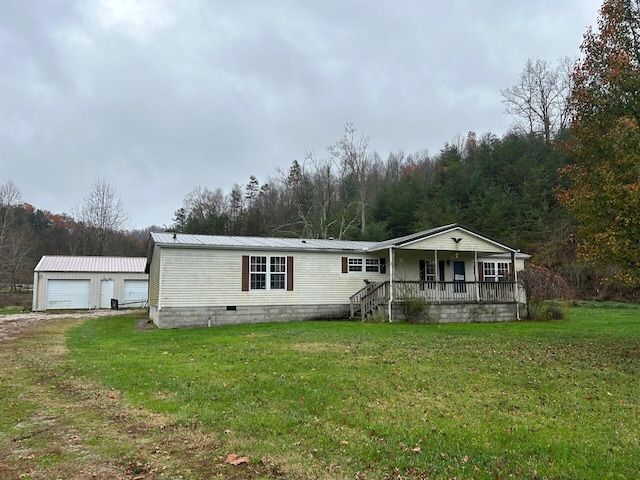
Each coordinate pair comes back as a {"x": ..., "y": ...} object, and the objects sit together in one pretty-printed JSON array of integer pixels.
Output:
[{"x": 12, "y": 326}]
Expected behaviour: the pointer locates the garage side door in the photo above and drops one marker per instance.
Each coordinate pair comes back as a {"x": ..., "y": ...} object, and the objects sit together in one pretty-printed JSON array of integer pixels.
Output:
[
  {"x": 65, "y": 294},
  {"x": 136, "y": 293}
]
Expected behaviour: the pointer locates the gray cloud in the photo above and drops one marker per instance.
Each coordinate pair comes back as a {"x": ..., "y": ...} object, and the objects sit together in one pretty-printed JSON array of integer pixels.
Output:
[{"x": 156, "y": 97}]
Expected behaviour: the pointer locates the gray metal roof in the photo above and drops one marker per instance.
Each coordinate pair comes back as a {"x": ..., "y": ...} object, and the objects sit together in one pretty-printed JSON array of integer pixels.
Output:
[
  {"x": 60, "y": 263},
  {"x": 257, "y": 243}
]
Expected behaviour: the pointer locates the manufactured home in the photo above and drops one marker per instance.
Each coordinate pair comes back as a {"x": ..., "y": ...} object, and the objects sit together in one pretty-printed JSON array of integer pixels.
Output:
[
  {"x": 456, "y": 273},
  {"x": 74, "y": 282}
]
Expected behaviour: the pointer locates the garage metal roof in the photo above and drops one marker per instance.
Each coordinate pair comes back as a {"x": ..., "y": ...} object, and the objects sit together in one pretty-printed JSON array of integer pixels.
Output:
[{"x": 65, "y": 263}]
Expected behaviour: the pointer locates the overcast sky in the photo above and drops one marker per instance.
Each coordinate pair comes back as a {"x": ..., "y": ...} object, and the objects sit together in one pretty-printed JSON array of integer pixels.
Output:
[{"x": 156, "y": 97}]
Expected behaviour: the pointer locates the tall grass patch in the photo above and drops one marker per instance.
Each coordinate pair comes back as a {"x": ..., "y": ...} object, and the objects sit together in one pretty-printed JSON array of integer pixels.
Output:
[{"x": 338, "y": 399}]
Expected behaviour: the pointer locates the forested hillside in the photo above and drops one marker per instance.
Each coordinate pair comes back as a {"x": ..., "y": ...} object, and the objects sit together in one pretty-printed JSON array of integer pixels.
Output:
[{"x": 503, "y": 187}]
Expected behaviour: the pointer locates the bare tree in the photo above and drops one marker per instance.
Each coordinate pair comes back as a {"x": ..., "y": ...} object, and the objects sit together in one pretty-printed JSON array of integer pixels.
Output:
[
  {"x": 101, "y": 217},
  {"x": 539, "y": 99},
  {"x": 10, "y": 234},
  {"x": 541, "y": 284},
  {"x": 350, "y": 155},
  {"x": 9, "y": 198}
]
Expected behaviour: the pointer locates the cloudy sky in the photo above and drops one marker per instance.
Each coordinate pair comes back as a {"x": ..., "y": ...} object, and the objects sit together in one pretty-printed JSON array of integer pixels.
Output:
[{"x": 156, "y": 97}]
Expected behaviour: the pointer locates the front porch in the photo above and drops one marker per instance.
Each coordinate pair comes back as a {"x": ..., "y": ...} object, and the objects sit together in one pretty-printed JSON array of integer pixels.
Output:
[{"x": 376, "y": 295}]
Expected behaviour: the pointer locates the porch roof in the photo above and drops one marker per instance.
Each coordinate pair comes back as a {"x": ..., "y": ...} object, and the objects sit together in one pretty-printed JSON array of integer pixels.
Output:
[{"x": 423, "y": 238}]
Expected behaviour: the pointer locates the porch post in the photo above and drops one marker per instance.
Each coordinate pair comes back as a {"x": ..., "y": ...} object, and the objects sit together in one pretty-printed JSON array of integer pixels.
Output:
[
  {"x": 475, "y": 275},
  {"x": 391, "y": 265},
  {"x": 436, "y": 271},
  {"x": 516, "y": 295}
]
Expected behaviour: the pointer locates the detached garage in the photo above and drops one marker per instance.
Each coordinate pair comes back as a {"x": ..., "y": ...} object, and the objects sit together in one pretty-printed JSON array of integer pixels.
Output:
[{"x": 66, "y": 282}]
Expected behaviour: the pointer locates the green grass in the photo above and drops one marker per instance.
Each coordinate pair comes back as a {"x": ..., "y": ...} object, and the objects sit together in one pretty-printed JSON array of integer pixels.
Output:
[
  {"x": 340, "y": 399},
  {"x": 10, "y": 310}
]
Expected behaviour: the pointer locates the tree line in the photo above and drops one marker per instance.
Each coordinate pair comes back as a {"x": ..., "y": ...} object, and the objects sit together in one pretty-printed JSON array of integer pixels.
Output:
[{"x": 96, "y": 228}]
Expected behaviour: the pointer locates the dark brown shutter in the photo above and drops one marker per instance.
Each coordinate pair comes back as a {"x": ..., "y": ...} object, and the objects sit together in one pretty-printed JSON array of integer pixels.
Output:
[
  {"x": 511, "y": 277},
  {"x": 383, "y": 265},
  {"x": 245, "y": 273},
  {"x": 423, "y": 270},
  {"x": 345, "y": 265},
  {"x": 290, "y": 273},
  {"x": 480, "y": 271}
]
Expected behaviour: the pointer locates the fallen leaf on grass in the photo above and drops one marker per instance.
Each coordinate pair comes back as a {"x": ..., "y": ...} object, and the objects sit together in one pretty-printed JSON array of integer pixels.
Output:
[
  {"x": 235, "y": 459},
  {"x": 416, "y": 450}
]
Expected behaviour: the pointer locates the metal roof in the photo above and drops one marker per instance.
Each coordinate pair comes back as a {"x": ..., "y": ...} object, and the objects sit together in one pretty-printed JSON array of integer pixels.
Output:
[
  {"x": 270, "y": 243},
  {"x": 257, "y": 243},
  {"x": 60, "y": 263}
]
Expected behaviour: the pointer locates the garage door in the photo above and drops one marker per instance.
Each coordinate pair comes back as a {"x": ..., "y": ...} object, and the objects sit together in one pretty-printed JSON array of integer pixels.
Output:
[
  {"x": 64, "y": 294},
  {"x": 136, "y": 293}
]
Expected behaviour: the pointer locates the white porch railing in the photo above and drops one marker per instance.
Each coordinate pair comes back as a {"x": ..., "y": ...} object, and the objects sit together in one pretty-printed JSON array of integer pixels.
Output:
[{"x": 375, "y": 294}]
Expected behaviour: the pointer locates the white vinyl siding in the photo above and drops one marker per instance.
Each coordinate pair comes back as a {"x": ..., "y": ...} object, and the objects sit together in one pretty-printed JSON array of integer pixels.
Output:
[
  {"x": 68, "y": 294},
  {"x": 467, "y": 243},
  {"x": 208, "y": 277}
]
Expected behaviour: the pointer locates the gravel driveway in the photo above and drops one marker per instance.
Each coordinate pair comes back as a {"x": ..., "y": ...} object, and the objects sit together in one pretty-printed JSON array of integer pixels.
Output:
[{"x": 12, "y": 326}]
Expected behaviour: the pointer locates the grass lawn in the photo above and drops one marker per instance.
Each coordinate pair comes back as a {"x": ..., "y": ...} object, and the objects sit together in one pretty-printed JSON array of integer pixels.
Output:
[
  {"x": 10, "y": 310},
  {"x": 350, "y": 400}
]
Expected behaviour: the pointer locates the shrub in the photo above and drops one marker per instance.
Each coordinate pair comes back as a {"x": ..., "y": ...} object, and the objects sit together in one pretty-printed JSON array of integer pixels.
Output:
[{"x": 416, "y": 310}]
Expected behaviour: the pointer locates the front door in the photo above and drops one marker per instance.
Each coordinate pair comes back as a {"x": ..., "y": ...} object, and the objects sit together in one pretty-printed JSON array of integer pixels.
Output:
[{"x": 458, "y": 276}]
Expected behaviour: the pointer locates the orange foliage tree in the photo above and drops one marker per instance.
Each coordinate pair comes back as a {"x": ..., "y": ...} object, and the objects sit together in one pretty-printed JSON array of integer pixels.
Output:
[{"x": 603, "y": 191}]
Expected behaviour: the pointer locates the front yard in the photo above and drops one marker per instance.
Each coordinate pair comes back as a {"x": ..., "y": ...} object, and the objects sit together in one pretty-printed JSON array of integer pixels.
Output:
[{"x": 338, "y": 399}]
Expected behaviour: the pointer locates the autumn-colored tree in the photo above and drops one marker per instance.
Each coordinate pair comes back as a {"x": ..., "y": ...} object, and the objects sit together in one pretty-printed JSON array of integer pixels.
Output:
[{"x": 604, "y": 176}]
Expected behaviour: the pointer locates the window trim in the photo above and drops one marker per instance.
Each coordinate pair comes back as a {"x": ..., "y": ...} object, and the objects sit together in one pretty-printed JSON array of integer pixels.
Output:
[{"x": 249, "y": 270}]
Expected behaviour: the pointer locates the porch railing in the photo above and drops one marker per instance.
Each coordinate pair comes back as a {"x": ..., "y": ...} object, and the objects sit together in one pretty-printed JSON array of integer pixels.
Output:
[
  {"x": 461, "y": 292},
  {"x": 368, "y": 298},
  {"x": 375, "y": 294}
]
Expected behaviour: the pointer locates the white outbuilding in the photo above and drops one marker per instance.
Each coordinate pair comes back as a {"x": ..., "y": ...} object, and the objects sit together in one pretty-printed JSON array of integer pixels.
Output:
[{"x": 73, "y": 282}]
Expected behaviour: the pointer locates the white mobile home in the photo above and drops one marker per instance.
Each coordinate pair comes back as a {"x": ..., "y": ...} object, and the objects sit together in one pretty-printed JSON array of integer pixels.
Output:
[
  {"x": 73, "y": 282},
  {"x": 198, "y": 280}
]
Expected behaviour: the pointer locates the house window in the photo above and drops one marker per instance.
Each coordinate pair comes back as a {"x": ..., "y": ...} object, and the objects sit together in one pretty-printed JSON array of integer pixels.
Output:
[
  {"x": 258, "y": 273},
  {"x": 503, "y": 272},
  {"x": 429, "y": 271},
  {"x": 277, "y": 272},
  {"x": 496, "y": 271},
  {"x": 274, "y": 277},
  {"x": 267, "y": 273},
  {"x": 372, "y": 265},
  {"x": 355, "y": 264},
  {"x": 489, "y": 272}
]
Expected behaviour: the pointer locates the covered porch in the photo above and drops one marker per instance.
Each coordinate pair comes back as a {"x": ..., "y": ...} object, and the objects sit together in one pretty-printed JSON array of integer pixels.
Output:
[{"x": 451, "y": 265}]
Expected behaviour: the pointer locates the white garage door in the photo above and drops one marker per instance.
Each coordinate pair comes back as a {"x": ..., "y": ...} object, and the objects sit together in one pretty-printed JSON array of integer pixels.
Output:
[
  {"x": 64, "y": 294},
  {"x": 136, "y": 293}
]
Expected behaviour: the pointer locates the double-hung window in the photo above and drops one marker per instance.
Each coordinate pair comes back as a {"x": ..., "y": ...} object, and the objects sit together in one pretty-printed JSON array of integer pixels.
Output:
[
  {"x": 267, "y": 272},
  {"x": 496, "y": 271},
  {"x": 489, "y": 271},
  {"x": 355, "y": 264},
  {"x": 503, "y": 272},
  {"x": 372, "y": 265},
  {"x": 277, "y": 273},
  {"x": 258, "y": 272},
  {"x": 429, "y": 271}
]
